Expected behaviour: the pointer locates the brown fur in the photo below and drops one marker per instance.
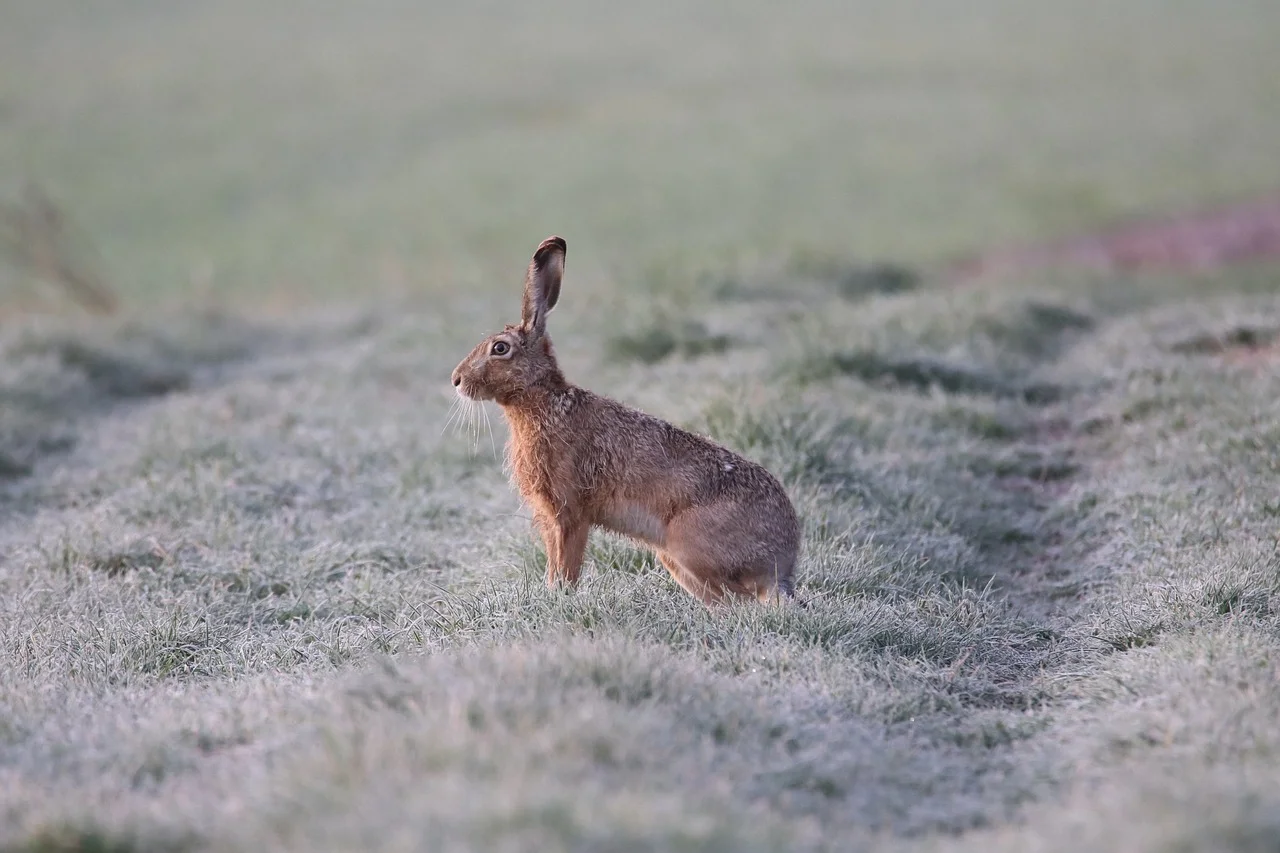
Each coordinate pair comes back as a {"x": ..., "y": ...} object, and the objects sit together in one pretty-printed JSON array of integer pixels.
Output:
[{"x": 720, "y": 524}]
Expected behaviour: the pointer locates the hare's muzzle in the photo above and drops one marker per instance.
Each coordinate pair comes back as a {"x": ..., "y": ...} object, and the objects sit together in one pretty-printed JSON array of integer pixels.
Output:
[
  {"x": 456, "y": 376},
  {"x": 460, "y": 381}
]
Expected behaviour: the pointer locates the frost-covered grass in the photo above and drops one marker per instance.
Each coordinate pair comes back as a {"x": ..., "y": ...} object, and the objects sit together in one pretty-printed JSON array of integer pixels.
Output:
[{"x": 254, "y": 594}]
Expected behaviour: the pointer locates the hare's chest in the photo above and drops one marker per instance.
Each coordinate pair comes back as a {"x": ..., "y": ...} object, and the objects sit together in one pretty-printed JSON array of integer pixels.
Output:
[
  {"x": 543, "y": 481},
  {"x": 532, "y": 480}
]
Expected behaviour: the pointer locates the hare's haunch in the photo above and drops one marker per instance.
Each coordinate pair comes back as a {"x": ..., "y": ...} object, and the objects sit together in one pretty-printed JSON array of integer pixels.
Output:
[{"x": 721, "y": 524}]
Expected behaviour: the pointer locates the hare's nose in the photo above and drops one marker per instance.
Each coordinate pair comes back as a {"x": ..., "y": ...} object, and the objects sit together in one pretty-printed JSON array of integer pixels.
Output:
[{"x": 457, "y": 380}]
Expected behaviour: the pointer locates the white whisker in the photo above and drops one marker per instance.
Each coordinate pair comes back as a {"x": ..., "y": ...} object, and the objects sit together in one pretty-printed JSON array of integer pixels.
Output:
[
  {"x": 454, "y": 408},
  {"x": 488, "y": 425},
  {"x": 474, "y": 417},
  {"x": 460, "y": 416}
]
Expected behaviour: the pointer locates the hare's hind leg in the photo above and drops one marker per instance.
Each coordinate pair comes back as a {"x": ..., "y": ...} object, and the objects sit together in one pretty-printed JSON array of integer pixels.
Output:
[
  {"x": 774, "y": 588},
  {"x": 722, "y": 547},
  {"x": 775, "y": 593},
  {"x": 706, "y": 591},
  {"x": 691, "y": 583}
]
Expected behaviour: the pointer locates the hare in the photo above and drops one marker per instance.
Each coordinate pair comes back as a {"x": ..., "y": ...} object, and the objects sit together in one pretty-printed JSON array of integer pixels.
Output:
[{"x": 721, "y": 525}]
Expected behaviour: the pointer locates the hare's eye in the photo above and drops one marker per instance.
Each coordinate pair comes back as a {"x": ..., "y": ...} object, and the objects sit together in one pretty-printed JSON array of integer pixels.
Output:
[{"x": 500, "y": 348}]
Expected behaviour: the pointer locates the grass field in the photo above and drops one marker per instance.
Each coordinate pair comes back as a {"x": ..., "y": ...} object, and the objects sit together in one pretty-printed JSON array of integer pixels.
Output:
[{"x": 255, "y": 596}]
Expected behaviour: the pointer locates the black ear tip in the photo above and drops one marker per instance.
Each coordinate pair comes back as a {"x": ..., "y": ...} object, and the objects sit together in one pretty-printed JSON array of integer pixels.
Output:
[{"x": 548, "y": 248}]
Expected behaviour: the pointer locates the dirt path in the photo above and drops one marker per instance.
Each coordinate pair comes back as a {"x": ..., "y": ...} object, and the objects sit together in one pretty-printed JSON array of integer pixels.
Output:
[{"x": 1187, "y": 242}]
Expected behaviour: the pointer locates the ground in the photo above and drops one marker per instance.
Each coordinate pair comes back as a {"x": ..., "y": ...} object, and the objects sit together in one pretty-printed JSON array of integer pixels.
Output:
[{"x": 255, "y": 595}]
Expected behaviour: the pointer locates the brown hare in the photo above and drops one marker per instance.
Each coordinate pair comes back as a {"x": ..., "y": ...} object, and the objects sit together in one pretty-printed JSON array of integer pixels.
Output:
[{"x": 721, "y": 524}]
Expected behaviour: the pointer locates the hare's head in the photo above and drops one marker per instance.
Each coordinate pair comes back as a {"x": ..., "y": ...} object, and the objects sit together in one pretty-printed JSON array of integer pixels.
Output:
[{"x": 520, "y": 357}]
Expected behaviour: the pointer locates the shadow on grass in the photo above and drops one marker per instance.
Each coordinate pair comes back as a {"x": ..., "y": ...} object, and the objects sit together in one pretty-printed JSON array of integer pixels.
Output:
[
  {"x": 1035, "y": 329},
  {"x": 686, "y": 338},
  {"x": 1237, "y": 338},
  {"x": 51, "y": 383},
  {"x": 816, "y": 275},
  {"x": 923, "y": 373},
  {"x": 97, "y": 841},
  {"x": 852, "y": 280},
  {"x": 1011, "y": 344}
]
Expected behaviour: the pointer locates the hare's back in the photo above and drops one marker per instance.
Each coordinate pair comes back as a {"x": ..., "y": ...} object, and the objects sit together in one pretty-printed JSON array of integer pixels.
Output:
[{"x": 655, "y": 458}]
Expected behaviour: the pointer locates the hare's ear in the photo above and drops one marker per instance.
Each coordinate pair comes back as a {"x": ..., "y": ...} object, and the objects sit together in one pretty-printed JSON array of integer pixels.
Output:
[{"x": 542, "y": 284}]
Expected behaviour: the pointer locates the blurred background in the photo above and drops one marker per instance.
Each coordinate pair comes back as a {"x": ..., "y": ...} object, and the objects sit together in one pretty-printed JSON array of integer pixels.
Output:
[{"x": 270, "y": 156}]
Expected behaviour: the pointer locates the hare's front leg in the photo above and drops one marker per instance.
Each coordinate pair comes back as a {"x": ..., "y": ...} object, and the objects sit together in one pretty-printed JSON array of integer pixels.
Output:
[
  {"x": 549, "y": 531},
  {"x": 570, "y": 546},
  {"x": 565, "y": 545}
]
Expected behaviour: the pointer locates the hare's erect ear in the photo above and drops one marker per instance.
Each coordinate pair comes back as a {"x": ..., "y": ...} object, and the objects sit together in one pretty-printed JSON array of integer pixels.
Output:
[{"x": 542, "y": 284}]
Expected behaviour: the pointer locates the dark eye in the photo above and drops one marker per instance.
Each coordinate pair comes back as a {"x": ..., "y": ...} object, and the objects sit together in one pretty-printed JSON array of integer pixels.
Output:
[{"x": 501, "y": 348}]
